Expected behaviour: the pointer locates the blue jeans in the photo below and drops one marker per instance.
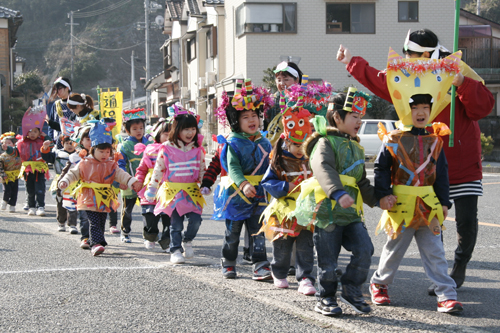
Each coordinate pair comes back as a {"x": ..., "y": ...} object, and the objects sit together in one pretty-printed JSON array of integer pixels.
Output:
[
  {"x": 328, "y": 242},
  {"x": 232, "y": 240},
  {"x": 84, "y": 224},
  {"x": 176, "y": 226},
  {"x": 282, "y": 251}
]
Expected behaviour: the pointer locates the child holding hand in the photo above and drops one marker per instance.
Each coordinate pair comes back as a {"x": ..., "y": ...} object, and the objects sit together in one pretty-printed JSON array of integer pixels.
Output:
[{"x": 10, "y": 164}]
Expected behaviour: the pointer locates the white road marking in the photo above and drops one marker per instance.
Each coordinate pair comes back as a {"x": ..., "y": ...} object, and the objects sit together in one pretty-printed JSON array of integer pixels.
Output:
[{"x": 80, "y": 269}]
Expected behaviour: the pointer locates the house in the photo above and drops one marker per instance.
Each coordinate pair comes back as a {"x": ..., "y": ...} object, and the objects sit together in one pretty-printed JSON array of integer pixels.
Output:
[
  {"x": 20, "y": 65},
  {"x": 10, "y": 20}
]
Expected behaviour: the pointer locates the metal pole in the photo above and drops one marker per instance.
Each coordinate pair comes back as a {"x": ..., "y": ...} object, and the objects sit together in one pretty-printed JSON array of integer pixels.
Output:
[
  {"x": 453, "y": 88},
  {"x": 148, "y": 94},
  {"x": 72, "y": 54},
  {"x": 132, "y": 81}
]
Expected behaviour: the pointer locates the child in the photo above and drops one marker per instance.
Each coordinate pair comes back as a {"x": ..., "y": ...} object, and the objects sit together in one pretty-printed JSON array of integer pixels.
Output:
[
  {"x": 245, "y": 157},
  {"x": 59, "y": 158},
  {"x": 134, "y": 126},
  {"x": 180, "y": 165},
  {"x": 10, "y": 164},
  {"x": 143, "y": 173},
  {"x": 335, "y": 205},
  {"x": 34, "y": 169},
  {"x": 97, "y": 172},
  {"x": 413, "y": 162},
  {"x": 287, "y": 169},
  {"x": 83, "y": 107}
]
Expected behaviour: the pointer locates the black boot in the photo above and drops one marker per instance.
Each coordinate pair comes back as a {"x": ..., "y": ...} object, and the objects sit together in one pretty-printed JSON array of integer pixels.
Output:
[{"x": 458, "y": 273}]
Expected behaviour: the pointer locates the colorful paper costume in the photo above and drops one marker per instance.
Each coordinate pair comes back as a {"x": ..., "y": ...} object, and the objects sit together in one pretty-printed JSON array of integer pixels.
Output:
[
  {"x": 10, "y": 164},
  {"x": 34, "y": 117},
  {"x": 314, "y": 96},
  {"x": 413, "y": 172},
  {"x": 100, "y": 131},
  {"x": 133, "y": 114},
  {"x": 295, "y": 119}
]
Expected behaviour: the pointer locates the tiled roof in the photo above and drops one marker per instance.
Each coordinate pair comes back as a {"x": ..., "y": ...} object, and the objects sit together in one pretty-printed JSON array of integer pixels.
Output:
[
  {"x": 194, "y": 9},
  {"x": 213, "y": 2},
  {"x": 175, "y": 8},
  {"x": 20, "y": 59},
  {"x": 9, "y": 13}
]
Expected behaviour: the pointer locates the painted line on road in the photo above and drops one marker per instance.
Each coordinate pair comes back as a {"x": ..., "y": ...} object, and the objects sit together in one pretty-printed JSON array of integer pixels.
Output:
[
  {"x": 81, "y": 269},
  {"x": 491, "y": 183},
  {"x": 480, "y": 223}
]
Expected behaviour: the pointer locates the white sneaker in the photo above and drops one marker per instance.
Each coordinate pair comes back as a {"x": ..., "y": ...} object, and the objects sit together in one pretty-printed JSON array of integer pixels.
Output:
[
  {"x": 61, "y": 227},
  {"x": 177, "y": 258},
  {"x": 188, "y": 250},
  {"x": 31, "y": 211},
  {"x": 149, "y": 245},
  {"x": 73, "y": 230},
  {"x": 12, "y": 209},
  {"x": 3, "y": 206},
  {"x": 40, "y": 211}
]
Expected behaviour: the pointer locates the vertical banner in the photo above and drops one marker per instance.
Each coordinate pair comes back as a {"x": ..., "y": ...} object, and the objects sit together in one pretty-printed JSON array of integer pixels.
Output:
[{"x": 111, "y": 103}]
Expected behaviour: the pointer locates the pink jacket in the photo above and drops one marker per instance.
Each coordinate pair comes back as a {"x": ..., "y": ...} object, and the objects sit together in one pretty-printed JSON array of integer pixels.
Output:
[{"x": 150, "y": 154}]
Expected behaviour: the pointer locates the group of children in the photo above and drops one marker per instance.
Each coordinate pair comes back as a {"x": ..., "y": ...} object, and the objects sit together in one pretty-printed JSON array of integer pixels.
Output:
[{"x": 313, "y": 175}]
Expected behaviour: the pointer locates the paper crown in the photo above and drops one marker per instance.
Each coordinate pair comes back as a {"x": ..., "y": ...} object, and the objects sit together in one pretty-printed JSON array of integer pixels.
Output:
[
  {"x": 77, "y": 134},
  {"x": 408, "y": 77},
  {"x": 356, "y": 101},
  {"x": 177, "y": 109},
  {"x": 100, "y": 132},
  {"x": 7, "y": 136},
  {"x": 250, "y": 98},
  {"x": 68, "y": 126},
  {"x": 33, "y": 118},
  {"x": 315, "y": 96},
  {"x": 133, "y": 114},
  {"x": 295, "y": 117}
]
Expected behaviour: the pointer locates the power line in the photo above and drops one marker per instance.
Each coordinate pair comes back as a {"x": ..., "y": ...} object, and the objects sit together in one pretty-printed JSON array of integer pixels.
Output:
[
  {"x": 98, "y": 2},
  {"x": 102, "y": 49},
  {"x": 101, "y": 11}
]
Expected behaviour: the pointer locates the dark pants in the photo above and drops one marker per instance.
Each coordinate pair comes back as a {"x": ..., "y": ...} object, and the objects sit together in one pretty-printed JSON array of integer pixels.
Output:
[
  {"x": 63, "y": 215},
  {"x": 35, "y": 186},
  {"x": 467, "y": 228},
  {"x": 328, "y": 242},
  {"x": 282, "y": 250},
  {"x": 151, "y": 231},
  {"x": 176, "y": 227},
  {"x": 84, "y": 224},
  {"x": 10, "y": 192},
  {"x": 97, "y": 221},
  {"x": 127, "y": 209},
  {"x": 232, "y": 240},
  {"x": 113, "y": 219}
]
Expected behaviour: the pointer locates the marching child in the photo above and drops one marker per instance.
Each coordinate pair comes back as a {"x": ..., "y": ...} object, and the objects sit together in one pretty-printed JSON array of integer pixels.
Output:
[
  {"x": 245, "y": 157},
  {"x": 97, "y": 172},
  {"x": 34, "y": 169},
  {"x": 134, "y": 121},
  {"x": 59, "y": 158},
  {"x": 413, "y": 166},
  {"x": 287, "y": 170},
  {"x": 10, "y": 164},
  {"x": 143, "y": 173},
  {"x": 180, "y": 165},
  {"x": 335, "y": 205}
]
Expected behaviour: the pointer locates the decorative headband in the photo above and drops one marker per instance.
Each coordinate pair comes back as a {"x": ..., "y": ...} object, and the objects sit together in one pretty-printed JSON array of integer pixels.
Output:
[
  {"x": 283, "y": 67},
  {"x": 72, "y": 102},
  {"x": 249, "y": 101},
  {"x": 177, "y": 110},
  {"x": 64, "y": 83},
  {"x": 134, "y": 114},
  {"x": 8, "y": 135},
  {"x": 412, "y": 46}
]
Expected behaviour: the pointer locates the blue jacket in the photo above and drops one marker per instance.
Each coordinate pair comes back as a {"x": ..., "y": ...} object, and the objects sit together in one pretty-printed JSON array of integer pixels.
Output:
[{"x": 273, "y": 184}]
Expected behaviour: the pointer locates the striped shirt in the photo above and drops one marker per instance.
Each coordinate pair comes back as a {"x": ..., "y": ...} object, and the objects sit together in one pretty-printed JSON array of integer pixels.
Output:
[{"x": 469, "y": 188}]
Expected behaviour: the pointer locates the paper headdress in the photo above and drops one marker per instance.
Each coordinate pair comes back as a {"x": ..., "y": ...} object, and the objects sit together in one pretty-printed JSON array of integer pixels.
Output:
[
  {"x": 7, "y": 136},
  {"x": 77, "y": 134},
  {"x": 177, "y": 109},
  {"x": 408, "y": 77},
  {"x": 356, "y": 101},
  {"x": 315, "y": 96},
  {"x": 133, "y": 114},
  {"x": 295, "y": 117},
  {"x": 100, "y": 132},
  {"x": 33, "y": 118},
  {"x": 68, "y": 126}
]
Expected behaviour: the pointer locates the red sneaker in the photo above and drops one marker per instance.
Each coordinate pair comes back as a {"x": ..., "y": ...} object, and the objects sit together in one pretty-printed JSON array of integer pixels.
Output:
[
  {"x": 379, "y": 294},
  {"x": 97, "y": 249},
  {"x": 450, "y": 306}
]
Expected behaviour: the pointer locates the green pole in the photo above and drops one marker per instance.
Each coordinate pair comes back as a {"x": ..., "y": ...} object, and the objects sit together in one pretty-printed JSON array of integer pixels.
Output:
[{"x": 453, "y": 88}]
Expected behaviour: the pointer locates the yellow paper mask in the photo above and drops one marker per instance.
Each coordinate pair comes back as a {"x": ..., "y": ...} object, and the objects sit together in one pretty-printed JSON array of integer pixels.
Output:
[{"x": 408, "y": 77}]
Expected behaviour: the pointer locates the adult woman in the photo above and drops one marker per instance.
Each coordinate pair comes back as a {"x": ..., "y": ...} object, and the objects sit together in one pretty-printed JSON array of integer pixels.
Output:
[{"x": 59, "y": 108}]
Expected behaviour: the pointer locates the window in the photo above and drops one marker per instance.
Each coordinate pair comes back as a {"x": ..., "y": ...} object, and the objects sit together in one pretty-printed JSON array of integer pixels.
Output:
[
  {"x": 191, "y": 49},
  {"x": 354, "y": 18},
  {"x": 212, "y": 43},
  {"x": 408, "y": 11},
  {"x": 266, "y": 18},
  {"x": 371, "y": 128}
]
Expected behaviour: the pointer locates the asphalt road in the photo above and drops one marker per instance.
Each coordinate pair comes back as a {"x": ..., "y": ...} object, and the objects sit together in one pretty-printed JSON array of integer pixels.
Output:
[{"x": 47, "y": 283}]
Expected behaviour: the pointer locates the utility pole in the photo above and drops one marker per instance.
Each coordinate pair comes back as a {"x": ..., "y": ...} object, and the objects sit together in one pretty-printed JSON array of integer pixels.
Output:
[
  {"x": 132, "y": 81},
  {"x": 71, "y": 24},
  {"x": 148, "y": 76},
  {"x": 478, "y": 9}
]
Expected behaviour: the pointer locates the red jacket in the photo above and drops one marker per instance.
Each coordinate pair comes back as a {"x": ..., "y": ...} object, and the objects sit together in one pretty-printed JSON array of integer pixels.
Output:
[{"x": 474, "y": 102}]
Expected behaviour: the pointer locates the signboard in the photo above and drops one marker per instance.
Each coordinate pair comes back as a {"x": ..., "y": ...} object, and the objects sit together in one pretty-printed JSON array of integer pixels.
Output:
[{"x": 111, "y": 103}]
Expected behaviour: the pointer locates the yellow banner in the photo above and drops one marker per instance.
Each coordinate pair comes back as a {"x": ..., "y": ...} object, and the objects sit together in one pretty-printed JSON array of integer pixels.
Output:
[{"x": 111, "y": 103}]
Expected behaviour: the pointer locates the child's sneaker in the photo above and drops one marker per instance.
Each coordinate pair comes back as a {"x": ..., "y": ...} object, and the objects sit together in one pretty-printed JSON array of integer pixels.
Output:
[
  {"x": 12, "y": 209},
  {"x": 177, "y": 257},
  {"x": 73, "y": 230},
  {"x": 31, "y": 211},
  {"x": 61, "y": 227},
  {"x": 280, "y": 283},
  {"x": 126, "y": 238},
  {"x": 188, "y": 249},
  {"x": 379, "y": 294},
  {"x": 291, "y": 271},
  {"x": 306, "y": 287},
  {"x": 351, "y": 295},
  {"x": 450, "y": 306},
  {"x": 85, "y": 244},
  {"x": 97, "y": 249},
  {"x": 40, "y": 211},
  {"x": 261, "y": 271},
  {"x": 328, "y": 306},
  {"x": 3, "y": 206},
  {"x": 228, "y": 272},
  {"x": 149, "y": 245},
  {"x": 114, "y": 230},
  {"x": 26, "y": 207},
  {"x": 247, "y": 260}
]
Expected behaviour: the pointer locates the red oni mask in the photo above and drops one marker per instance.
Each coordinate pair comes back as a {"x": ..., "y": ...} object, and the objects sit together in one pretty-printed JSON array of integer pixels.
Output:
[
  {"x": 359, "y": 105},
  {"x": 296, "y": 125}
]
